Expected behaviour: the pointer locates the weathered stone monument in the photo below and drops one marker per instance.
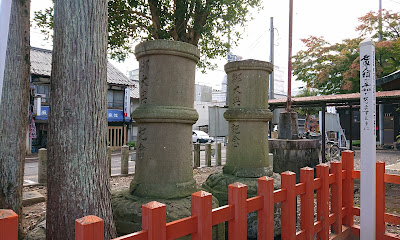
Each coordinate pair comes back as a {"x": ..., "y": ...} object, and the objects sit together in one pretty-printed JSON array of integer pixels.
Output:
[
  {"x": 290, "y": 152},
  {"x": 165, "y": 117},
  {"x": 247, "y": 149}
]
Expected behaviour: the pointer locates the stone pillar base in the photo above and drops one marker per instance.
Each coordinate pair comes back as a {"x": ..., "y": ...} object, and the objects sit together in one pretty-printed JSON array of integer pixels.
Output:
[
  {"x": 292, "y": 155},
  {"x": 218, "y": 183},
  {"x": 127, "y": 210}
]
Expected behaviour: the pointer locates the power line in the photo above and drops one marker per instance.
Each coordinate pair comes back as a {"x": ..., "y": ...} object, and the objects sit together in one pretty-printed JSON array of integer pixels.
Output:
[{"x": 394, "y": 1}]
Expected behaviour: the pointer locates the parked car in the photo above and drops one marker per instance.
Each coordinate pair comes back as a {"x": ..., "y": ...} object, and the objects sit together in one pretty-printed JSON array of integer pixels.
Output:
[{"x": 201, "y": 137}]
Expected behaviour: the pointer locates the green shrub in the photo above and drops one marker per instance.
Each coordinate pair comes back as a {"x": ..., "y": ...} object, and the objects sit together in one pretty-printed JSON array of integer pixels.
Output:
[
  {"x": 356, "y": 143},
  {"x": 131, "y": 144}
]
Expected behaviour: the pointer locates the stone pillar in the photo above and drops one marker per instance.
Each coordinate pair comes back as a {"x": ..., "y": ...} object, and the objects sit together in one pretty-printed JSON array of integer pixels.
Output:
[
  {"x": 109, "y": 159},
  {"x": 248, "y": 116},
  {"x": 219, "y": 157},
  {"x": 248, "y": 155},
  {"x": 124, "y": 159},
  {"x": 208, "y": 154},
  {"x": 196, "y": 155},
  {"x": 164, "y": 169},
  {"x": 289, "y": 122},
  {"x": 42, "y": 166},
  {"x": 165, "y": 118}
]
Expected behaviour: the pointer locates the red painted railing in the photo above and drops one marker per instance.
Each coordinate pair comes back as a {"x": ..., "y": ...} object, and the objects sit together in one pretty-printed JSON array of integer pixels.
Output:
[{"x": 338, "y": 219}]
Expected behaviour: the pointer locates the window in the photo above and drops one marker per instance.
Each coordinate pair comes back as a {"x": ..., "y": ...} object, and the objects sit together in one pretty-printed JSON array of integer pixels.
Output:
[
  {"x": 43, "y": 90},
  {"x": 115, "y": 99}
]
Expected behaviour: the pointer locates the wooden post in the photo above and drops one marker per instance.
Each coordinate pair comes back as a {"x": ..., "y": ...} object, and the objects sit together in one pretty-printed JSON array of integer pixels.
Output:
[
  {"x": 154, "y": 220},
  {"x": 323, "y": 132},
  {"x": 89, "y": 228},
  {"x": 237, "y": 196},
  {"x": 196, "y": 155},
  {"x": 8, "y": 224},
  {"x": 219, "y": 157},
  {"x": 42, "y": 166},
  {"x": 201, "y": 205},
  {"x": 348, "y": 187},
  {"x": 288, "y": 207},
  {"x": 323, "y": 200},
  {"x": 307, "y": 202},
  {"x": 380, "y": 199},
  {"x": 109, "y": 159},
  {"x": 336, "y": 199},
  {"x": 265, "y": 216},
  {"x": 368, "y": 140},
  {"x": 124, "y": 159},
  {"x": 208, "y": 154}
]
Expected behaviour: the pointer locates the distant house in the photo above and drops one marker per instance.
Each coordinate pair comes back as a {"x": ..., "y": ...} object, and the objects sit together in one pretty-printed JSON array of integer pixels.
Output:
[{"x": 118, "y": 87}]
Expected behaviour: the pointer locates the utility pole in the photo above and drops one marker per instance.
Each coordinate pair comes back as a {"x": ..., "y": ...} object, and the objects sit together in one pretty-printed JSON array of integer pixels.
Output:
[
  {"x": 289, "y": 93},
  {"x": 271, "y": 59},
  {"x": 381, "y": 106}
]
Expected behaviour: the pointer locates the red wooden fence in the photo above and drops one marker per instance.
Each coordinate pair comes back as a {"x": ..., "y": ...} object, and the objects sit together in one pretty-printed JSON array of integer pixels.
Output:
[{"x": 335, "y": 222}]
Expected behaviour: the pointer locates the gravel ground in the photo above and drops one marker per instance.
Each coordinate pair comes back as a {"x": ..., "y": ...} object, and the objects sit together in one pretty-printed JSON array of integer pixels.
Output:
[{"x": 32, "y": 213}]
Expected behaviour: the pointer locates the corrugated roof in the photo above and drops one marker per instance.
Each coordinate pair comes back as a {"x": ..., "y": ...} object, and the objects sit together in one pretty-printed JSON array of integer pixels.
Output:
[
  {"x": 41, "y": 65},
  {"x": 338, "y": 99}
]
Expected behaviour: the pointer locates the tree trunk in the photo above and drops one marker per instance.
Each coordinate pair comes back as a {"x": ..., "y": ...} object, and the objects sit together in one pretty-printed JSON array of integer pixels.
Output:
[
  {"x": 78, "y": 180},
  {"x": 14, "y": 108}
]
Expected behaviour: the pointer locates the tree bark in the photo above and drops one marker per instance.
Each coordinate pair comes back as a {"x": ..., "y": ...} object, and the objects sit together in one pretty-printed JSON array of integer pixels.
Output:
[
  {"x": 14, "y": 108},
  {"x": 78, "y": 182}
]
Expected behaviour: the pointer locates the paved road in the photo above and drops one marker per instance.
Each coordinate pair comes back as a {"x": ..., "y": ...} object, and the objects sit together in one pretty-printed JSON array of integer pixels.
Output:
[
  {"x": 31, "y": 165},
  {"x": 391, "y": 157}
]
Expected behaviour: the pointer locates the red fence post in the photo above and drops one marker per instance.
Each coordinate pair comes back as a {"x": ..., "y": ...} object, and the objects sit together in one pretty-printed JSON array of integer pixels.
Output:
[
  {"x": 265, "y": 216},
  {"x": 323, "y": 201},
  {"x": 380, "y": 199},
  {"x": 201, "y": 205},
  {"x": 154, "y": 218},
  {"x": 89, "y": 228},
  {"x": 237, "y": 196},
  {"x": 348, "y": 187},
  {"x": 336, "y": 190},
  {"x": 288, "y": 207},
  {"x": 8, "y": 224},
  {"x": 307, "y": 202}
]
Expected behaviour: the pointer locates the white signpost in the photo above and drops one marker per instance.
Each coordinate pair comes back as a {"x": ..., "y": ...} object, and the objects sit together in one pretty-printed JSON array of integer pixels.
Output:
[
  {"x": 127, "y": 103},
  {"x": 368, "y": 139},
  {"x": 5, "y": 10}
]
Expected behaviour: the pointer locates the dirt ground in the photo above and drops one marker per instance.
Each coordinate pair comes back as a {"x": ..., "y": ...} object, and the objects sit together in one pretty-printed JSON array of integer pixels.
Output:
[{"x": 32, "y": 213}]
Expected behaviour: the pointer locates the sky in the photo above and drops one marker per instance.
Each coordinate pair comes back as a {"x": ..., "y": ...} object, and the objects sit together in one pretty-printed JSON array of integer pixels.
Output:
[{"x": 333, "y": 20}]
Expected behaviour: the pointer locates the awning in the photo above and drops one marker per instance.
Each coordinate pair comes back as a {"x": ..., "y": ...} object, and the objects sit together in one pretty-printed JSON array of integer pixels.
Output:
[{"x": 113, "y": 115}]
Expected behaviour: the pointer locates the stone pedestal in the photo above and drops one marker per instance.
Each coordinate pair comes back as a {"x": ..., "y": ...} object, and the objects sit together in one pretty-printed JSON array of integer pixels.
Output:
[
  {"x": 248, "y": 150},
  {"x": 164, "y": 169}
]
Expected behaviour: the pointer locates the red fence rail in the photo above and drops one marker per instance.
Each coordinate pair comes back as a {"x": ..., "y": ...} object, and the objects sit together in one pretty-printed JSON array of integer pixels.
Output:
[{"x": 334, "y": 222}]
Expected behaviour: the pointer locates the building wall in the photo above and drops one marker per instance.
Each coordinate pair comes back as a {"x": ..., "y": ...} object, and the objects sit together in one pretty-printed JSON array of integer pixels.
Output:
[
  {"x": 203, "y": 93},
  {"x": 389, "y": 109}
]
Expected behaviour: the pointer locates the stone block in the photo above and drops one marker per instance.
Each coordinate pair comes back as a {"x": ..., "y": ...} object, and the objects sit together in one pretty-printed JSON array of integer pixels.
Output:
[{"x": 32, "y": 197}]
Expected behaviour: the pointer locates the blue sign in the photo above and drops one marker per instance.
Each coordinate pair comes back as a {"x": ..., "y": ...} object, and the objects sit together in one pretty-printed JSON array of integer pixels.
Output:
[
  {"x": 44, "y": 113},
  {"x": 113, "y": 115}
]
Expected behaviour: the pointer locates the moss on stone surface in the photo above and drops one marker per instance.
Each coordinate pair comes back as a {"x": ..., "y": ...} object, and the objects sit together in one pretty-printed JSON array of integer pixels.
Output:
[{"x": 127, "y": 210}]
